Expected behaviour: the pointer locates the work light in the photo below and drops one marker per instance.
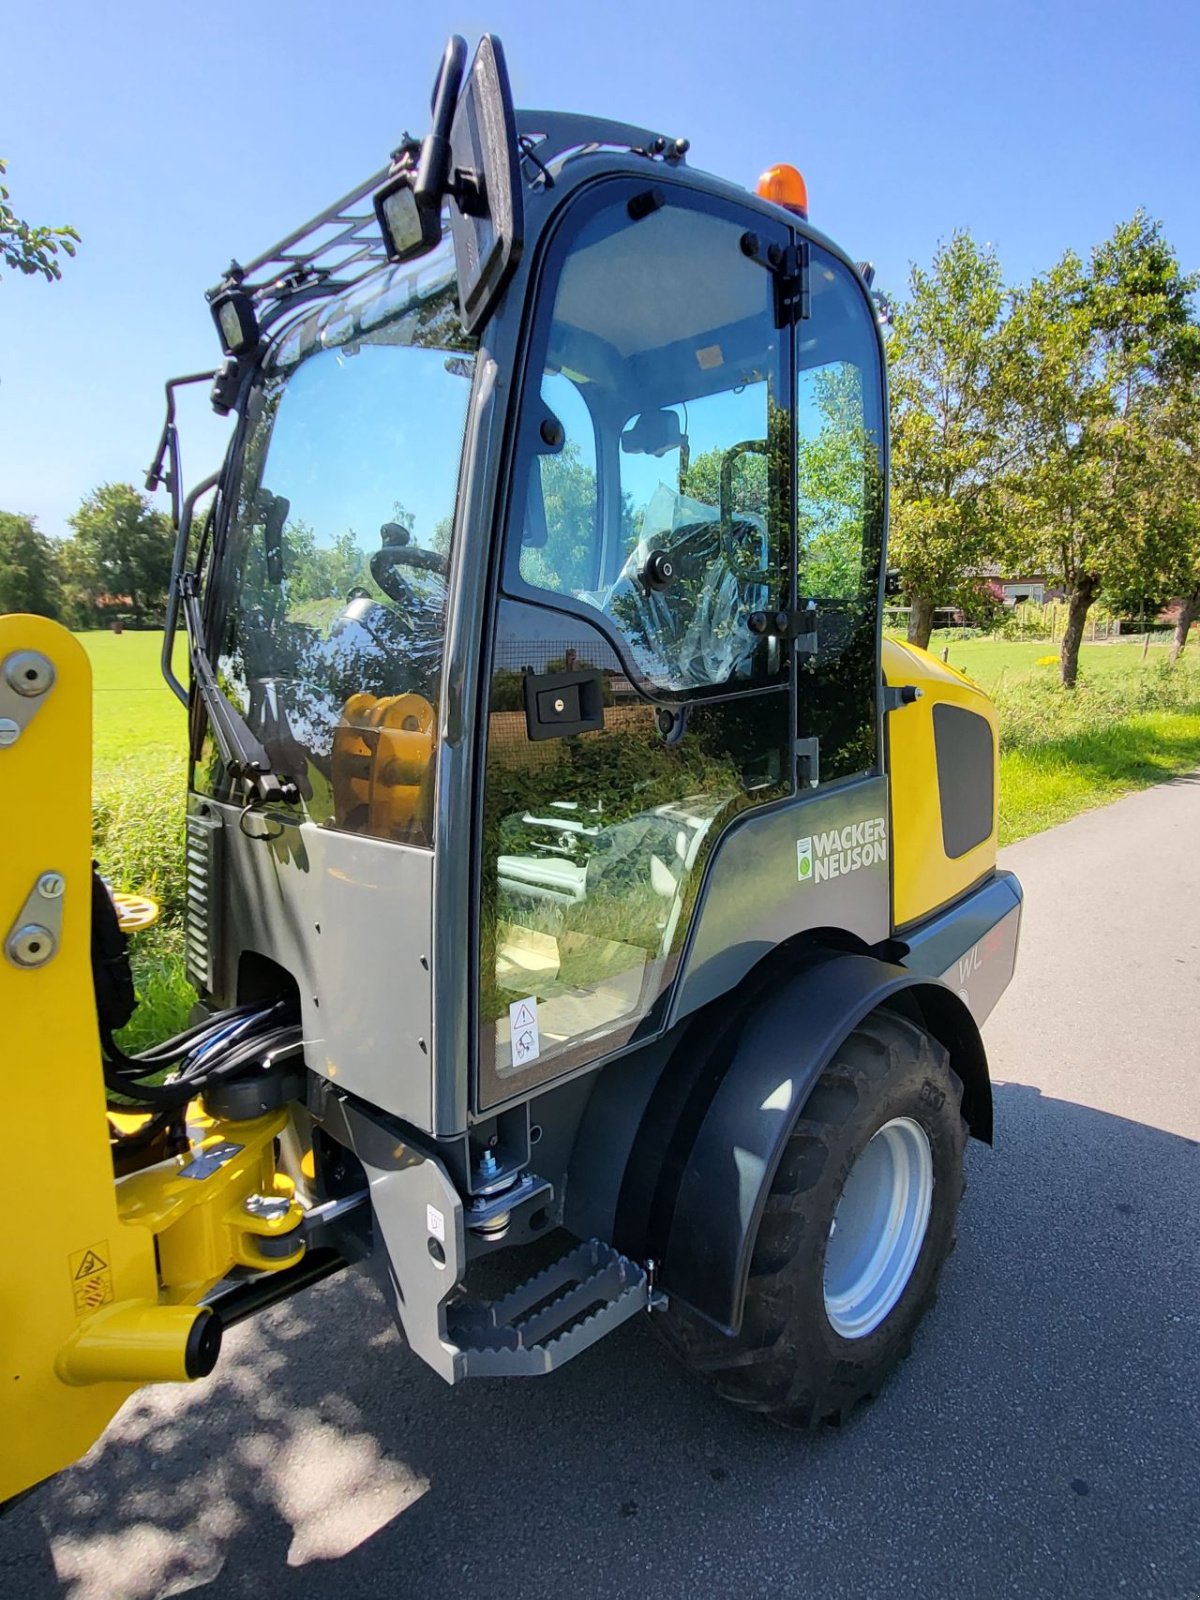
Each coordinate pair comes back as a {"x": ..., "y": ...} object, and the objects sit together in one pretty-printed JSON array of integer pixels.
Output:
[
  {"x": 233, "y": 313},
  {"x": 409, "y": 229}
]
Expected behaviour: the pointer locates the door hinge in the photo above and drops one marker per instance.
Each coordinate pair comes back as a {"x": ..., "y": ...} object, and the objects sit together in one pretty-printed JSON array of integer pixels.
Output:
[
  {"x": 804, "y": 630},
  {"x": 798, "y": 626},
  {"x": 788, "y": 265},
  {"x": 791, "y": 284},
  {"x": 808, "y": 762}
]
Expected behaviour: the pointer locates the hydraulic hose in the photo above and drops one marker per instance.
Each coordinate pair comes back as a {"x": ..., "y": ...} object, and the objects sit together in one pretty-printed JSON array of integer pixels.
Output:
[{"x": 218, "y": 1048}]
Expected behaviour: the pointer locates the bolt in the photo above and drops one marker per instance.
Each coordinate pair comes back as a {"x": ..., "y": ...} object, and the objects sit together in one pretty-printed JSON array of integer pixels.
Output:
[
  {"x": 488, "y": 1164},
  {"x": 10, "y": 732},
  {"x": 268, "y": 1206},
  {"x": 51, "y": 885},
  {"x": 31, "y": 945},
  {"x": 29, "y": 673}
]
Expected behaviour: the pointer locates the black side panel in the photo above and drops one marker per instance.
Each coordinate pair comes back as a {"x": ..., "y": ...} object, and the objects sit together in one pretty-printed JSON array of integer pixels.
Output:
[{"x": 966, "y": 777}]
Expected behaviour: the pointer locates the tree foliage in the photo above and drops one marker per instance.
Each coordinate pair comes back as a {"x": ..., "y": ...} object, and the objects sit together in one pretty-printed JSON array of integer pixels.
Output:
[
  {"x": 1096, "y": 348},
  {"x": 1175, "y": 508},
  {"x": 950, "y": 390},
  {"x": 29, "y": 577},
  {"x": 121, "y": 560},
  {"x": 29, "y": 249}
]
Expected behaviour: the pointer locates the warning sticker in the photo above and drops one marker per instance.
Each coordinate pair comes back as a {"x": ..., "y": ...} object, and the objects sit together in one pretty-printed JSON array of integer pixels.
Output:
[
  {"x": 91, "y": 1278},
  {"x": 523, "y": 1024}
]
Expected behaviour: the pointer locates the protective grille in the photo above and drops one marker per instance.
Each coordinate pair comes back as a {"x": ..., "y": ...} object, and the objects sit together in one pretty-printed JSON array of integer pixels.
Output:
[{"x": 202, "y": 838}]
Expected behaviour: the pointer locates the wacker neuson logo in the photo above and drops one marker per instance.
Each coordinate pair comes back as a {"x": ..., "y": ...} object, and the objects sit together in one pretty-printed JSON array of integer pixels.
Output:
[{"x": 841, "y": 850}]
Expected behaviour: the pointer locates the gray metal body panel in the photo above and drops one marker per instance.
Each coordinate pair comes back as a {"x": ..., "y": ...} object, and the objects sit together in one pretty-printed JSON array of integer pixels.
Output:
[
  {"x": 413, "y": 1202},
  {"x": 351, "y": 919},
  {"x": 754, "y": 898},
  {"x": 972, "y": 945}
]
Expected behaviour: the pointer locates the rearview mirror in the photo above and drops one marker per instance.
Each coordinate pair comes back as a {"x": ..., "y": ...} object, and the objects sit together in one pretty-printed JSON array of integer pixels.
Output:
[
  {"x": 275, "y": 509},
  {"x": 654, "y": 433}
]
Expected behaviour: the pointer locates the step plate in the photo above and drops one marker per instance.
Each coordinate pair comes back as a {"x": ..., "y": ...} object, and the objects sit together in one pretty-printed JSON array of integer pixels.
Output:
[{"x": 554, "y": 1316}]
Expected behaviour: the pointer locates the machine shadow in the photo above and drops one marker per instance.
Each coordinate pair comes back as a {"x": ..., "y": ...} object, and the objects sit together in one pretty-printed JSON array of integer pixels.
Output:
[{"x": 321, "y": 1456}]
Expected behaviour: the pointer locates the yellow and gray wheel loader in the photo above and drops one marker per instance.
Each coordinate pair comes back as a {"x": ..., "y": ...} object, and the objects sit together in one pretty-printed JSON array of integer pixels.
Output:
[{"x": 575, "y": 875}]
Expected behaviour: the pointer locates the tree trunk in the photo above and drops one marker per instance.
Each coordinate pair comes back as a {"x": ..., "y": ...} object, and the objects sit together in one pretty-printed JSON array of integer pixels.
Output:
[
  {"x": 920, "y": 621},
  {"x": 1079, "y": 600},
  {"x": 1189, "y": 610}
]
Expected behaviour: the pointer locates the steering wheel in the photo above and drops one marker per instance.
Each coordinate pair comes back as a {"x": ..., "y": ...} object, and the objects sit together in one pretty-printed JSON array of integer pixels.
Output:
[{"x": 397, "y": 551}]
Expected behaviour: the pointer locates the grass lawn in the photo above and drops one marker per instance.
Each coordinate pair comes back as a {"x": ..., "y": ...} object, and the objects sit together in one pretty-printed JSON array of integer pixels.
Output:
[
  {"x": 1132, "y": 722},
  {"x": 136, "y": 715},
  {"x": 1048, "y": 783},
  {"x": 992, "y": 662},
  {"x": 138, "y": 789}
]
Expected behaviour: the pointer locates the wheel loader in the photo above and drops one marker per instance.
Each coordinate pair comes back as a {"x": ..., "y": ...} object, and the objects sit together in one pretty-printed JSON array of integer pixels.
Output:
[{"x": 583, "y": 897}]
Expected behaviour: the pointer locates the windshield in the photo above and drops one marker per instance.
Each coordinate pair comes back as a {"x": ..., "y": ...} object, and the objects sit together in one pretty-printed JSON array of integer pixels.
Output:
[{"x": 327, "y": 598}]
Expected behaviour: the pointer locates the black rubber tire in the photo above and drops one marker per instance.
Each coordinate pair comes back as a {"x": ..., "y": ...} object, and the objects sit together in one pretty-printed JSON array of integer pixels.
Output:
[{"x": 788, "y": 1362}]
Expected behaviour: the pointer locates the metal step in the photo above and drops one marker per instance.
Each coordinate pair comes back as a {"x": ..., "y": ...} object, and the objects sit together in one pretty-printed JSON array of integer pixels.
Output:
[{"x": 553, "y": 1316}]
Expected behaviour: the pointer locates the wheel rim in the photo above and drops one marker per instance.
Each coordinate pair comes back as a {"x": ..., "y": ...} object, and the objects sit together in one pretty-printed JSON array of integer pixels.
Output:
[{"x": 878, "y": 1228}]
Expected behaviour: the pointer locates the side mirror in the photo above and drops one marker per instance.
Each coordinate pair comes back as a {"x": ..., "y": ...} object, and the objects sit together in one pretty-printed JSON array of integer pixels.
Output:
[
  {"x": 487, "y": 219},
  {"x": 892, "y": 583}
]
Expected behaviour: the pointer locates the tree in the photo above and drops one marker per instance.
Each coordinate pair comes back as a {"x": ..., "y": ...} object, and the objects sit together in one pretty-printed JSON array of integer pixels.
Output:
[
  {"x": 29, "y": 249},
  {"x": 566, "y": 561},
  {"x": 949, "y": 389},
  {"x": 123, "y": 550},
  {"x": 29, "y": 578},
  {"x": 1176, "y": 525},
  {"x": 321, "y": 571},
  {"x": 1096, "y": 349}
]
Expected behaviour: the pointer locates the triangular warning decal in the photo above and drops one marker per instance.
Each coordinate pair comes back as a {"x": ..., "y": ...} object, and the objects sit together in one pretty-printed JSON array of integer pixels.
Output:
[
  {"x": 90, "y": 1265},
  {"x": 524, "y": 1017}
]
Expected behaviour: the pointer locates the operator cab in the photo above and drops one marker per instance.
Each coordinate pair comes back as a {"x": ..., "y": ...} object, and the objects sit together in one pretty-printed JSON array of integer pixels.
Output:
[{"x": 550, "y": 546}]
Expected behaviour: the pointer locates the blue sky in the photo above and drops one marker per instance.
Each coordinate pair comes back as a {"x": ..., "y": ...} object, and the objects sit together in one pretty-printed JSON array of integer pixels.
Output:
[{"x": 177, "y": 136}]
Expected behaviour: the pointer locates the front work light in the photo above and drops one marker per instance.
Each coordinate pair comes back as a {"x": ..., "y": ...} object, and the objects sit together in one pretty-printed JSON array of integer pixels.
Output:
[
  {"x": 233, "y": 313},
  {"x": 785, "y": 186},
  {"x": 409, "y": 229}
]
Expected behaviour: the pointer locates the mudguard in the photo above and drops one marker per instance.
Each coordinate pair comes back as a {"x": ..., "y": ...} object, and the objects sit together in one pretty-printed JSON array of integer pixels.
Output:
[{"x": 705, "y": 1201}]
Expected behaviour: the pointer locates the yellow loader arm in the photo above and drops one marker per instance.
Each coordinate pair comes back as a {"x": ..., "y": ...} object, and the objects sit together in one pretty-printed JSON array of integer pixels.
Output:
[{"x": 101, "y": 1278}]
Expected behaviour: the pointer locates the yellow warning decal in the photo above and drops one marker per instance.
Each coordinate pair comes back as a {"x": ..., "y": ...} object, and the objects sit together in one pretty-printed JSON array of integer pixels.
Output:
[{"x": 91, "y": 1278}]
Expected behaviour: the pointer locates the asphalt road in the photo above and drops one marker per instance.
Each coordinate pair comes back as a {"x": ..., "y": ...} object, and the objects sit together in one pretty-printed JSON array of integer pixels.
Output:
[{"x": 1041, "y": 1441}]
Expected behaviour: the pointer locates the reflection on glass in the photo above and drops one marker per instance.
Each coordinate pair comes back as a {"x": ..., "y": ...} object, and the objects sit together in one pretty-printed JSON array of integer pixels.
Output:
[
  {"x": 658, "y": 438},
  {"x": 595, "y": 845},
  {"x": 330, "y": 606},
  {"x": 594, "y": 872},
  {"x": 839, "y": 517}
]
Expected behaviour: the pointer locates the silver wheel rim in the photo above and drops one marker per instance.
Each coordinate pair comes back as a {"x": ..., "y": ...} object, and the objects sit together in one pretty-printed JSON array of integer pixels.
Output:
[{"x": 878, "y": 1228}]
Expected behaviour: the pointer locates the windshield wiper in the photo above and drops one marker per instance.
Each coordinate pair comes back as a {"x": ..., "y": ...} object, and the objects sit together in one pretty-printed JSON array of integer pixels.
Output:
[{"x": 245, "y": 758}]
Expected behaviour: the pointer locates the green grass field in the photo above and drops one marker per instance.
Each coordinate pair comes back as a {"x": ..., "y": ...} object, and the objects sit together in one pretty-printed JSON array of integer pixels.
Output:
[
  {"x": 136, "y": 715},
  {"x": 1133, "y": 721},
  {"x": 992, "y": 662}
]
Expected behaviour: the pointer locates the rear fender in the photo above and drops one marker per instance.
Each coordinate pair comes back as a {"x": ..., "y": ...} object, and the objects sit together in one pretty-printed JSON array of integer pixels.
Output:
[{"x": 701, "y": 1167}]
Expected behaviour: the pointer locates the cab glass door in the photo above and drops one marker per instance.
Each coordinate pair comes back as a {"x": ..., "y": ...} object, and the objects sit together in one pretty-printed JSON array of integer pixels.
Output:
[{"x": 638, "y": 703}]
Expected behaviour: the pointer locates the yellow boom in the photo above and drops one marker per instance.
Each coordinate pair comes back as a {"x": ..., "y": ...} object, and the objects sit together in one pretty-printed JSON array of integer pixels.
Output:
[{"x": 100, "y": 1278}]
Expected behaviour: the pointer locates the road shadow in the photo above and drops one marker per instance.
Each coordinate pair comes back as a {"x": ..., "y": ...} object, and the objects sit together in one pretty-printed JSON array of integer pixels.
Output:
[{"x": 1040, "y": 1441}]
